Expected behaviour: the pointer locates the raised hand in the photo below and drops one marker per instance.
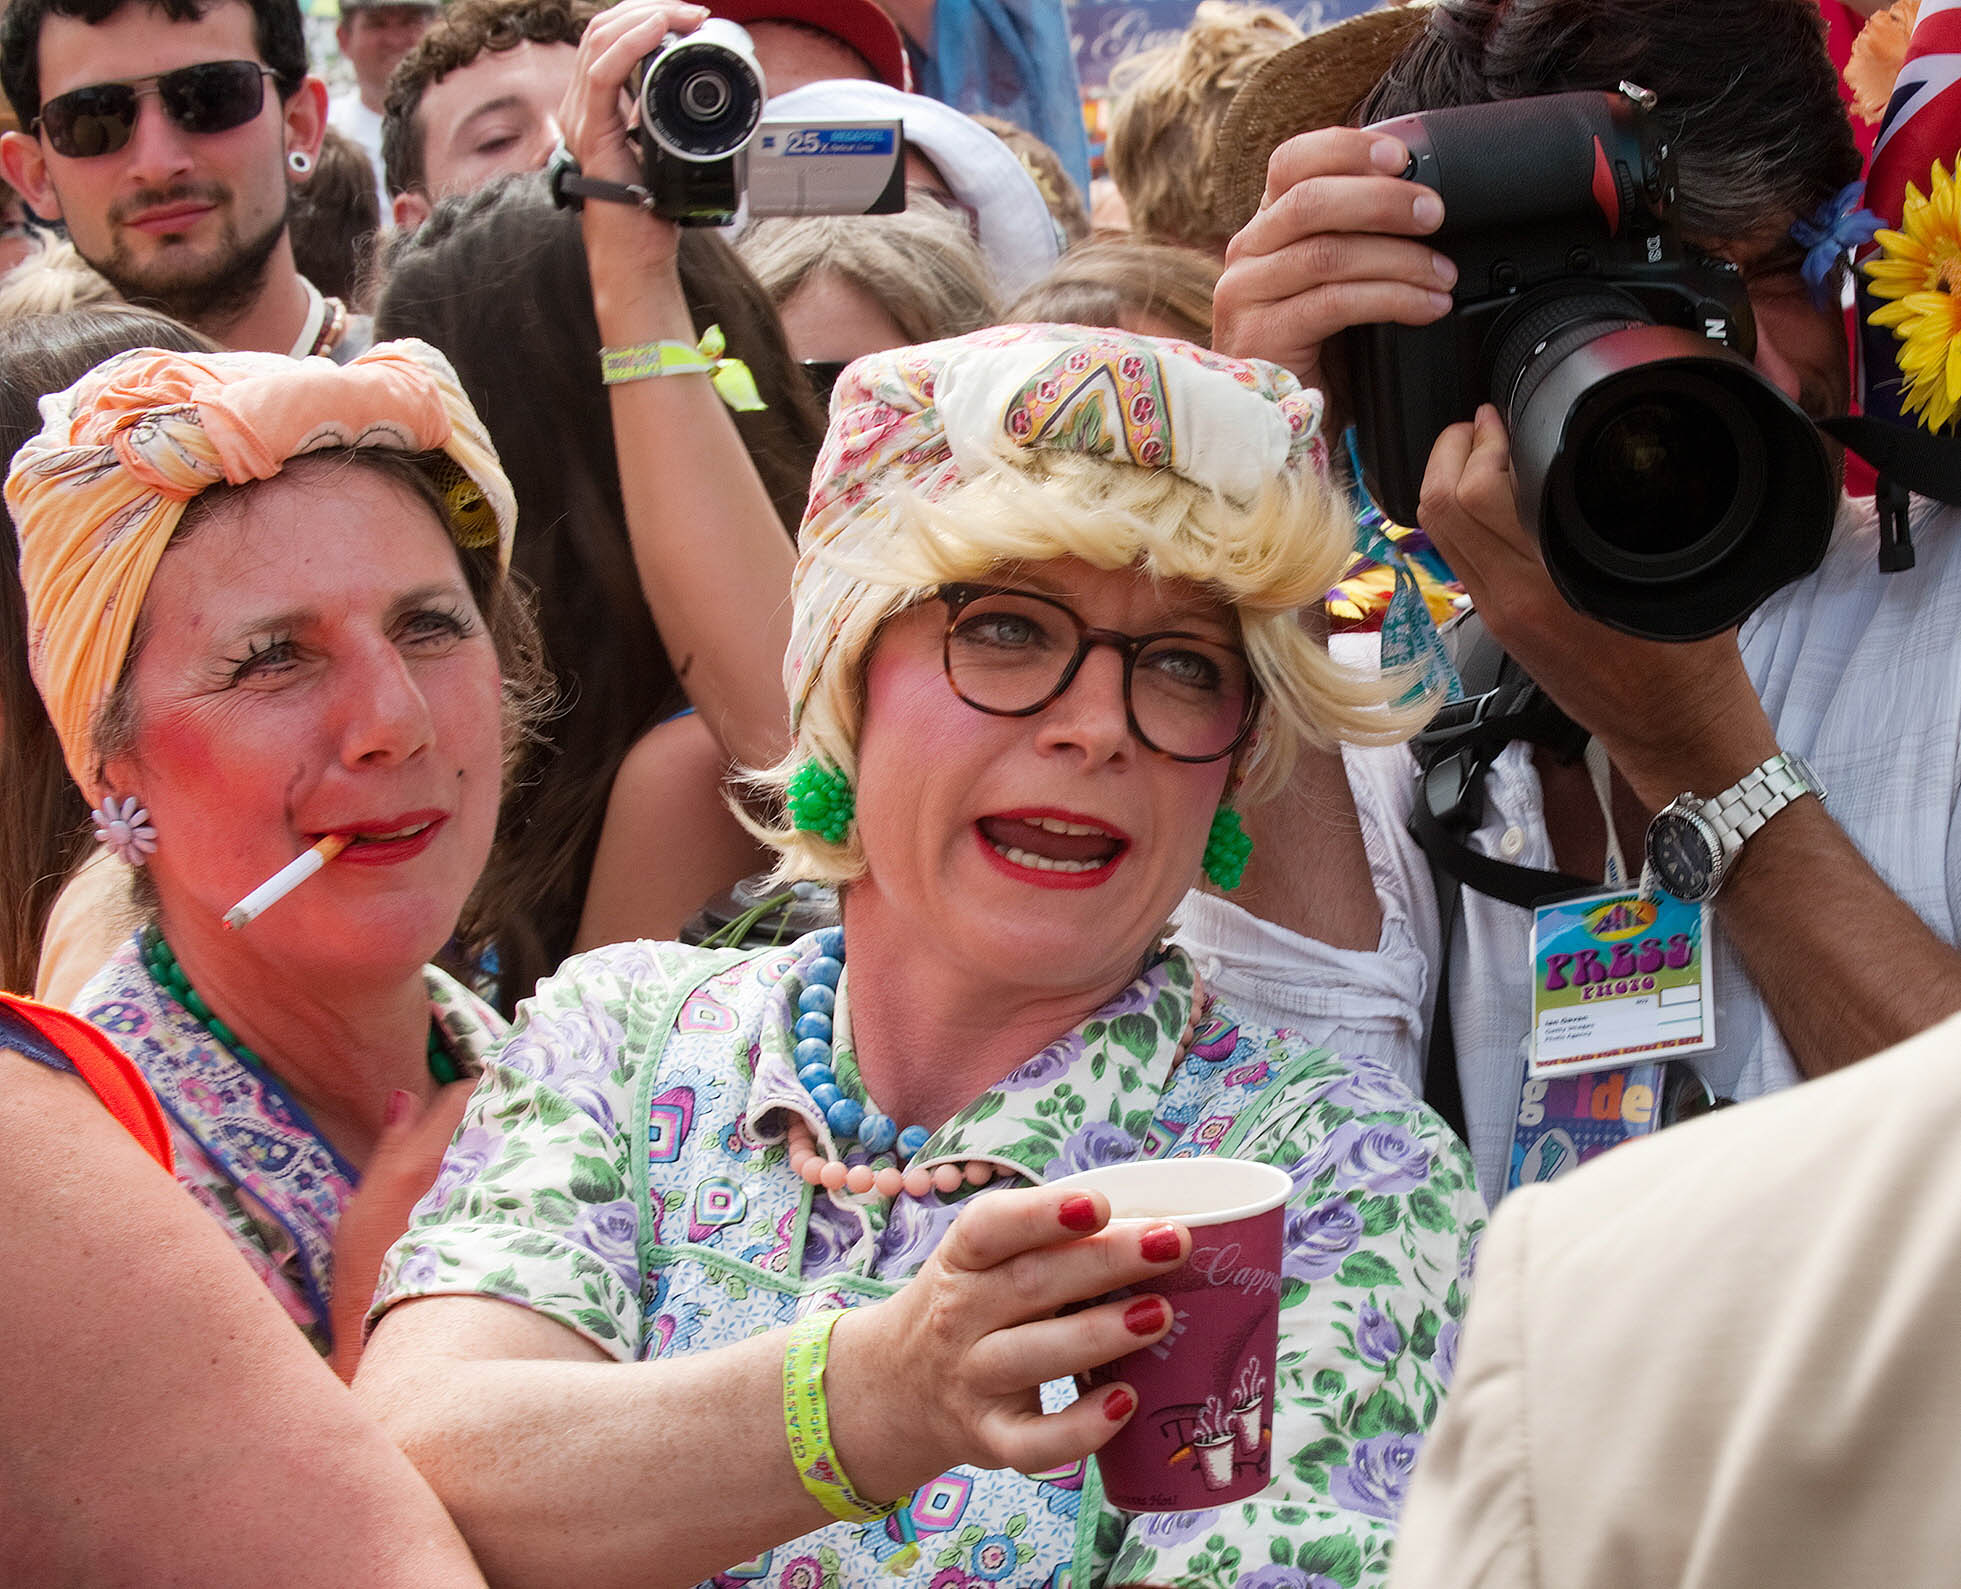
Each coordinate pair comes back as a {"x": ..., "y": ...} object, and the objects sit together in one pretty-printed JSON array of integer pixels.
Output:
[{"x": 1336, "y": 243}]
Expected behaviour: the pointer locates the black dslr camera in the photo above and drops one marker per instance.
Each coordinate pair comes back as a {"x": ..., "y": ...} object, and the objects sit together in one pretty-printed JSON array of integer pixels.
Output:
[
  {"x": 704, "y": 145},
  {"x": 1671, "y": 487}
]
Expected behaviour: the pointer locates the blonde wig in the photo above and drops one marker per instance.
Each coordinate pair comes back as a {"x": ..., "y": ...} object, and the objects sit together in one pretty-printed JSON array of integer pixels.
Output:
[
  {"x": 1020, "y": 445},
  {"x": 1267, "y": 560}
]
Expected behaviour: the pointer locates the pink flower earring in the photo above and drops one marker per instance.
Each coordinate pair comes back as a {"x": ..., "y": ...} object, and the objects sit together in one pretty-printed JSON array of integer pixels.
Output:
[{"x": 123, "y": 827}]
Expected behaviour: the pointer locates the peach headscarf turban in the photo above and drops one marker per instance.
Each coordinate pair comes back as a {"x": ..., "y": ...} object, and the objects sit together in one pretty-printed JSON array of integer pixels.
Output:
[{"x": 98, "y": 494}]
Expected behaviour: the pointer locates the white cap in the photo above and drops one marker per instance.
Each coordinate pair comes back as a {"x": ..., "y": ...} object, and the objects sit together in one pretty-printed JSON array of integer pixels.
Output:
[{"x": 1017, "y": 233}]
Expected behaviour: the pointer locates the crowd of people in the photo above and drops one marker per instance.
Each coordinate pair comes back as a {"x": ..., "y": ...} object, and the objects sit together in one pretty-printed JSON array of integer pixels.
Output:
[{"x": 437, "y": 583}]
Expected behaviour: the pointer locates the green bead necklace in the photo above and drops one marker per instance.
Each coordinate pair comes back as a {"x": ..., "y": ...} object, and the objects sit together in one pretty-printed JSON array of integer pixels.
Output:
[{"x": 164, "y": 970}]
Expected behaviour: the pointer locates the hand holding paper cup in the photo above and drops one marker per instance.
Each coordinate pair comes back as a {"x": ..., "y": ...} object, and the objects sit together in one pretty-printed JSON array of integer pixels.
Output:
[{"x": 1202, "y": 1433}]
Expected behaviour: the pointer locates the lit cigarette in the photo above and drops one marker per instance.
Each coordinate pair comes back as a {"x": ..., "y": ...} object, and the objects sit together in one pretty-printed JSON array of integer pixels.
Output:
[{"x": 283, "y": 882}]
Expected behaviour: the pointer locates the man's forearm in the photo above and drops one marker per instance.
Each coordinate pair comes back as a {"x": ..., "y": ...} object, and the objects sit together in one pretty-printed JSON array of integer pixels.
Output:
[{"x": 1844, "y": 965}]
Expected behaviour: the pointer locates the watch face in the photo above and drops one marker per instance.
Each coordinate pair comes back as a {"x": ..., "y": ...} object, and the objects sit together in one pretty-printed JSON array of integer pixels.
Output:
[{"x": 1683, "y": 861}]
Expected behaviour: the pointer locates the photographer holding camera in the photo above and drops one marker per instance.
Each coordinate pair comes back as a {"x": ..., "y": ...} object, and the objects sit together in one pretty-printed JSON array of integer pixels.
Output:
[{"x": 1844, "y": 926}]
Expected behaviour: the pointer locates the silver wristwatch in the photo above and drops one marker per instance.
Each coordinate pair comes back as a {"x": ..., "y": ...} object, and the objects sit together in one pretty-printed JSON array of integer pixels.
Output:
[{"x": 1692, "y": 842}]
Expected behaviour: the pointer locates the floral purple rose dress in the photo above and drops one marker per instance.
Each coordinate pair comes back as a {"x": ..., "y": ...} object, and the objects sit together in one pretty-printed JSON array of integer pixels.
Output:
[{"x": 622, "y": 1170}]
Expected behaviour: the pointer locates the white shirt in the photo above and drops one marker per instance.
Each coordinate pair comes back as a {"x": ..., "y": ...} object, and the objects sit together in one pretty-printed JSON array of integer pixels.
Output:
[
  {"x": 352, "y": 119},
  {"x": 1860, "y": 673}
]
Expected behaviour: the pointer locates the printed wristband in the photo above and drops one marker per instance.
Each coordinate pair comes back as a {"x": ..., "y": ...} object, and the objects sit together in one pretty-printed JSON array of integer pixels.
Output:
[
  {"x": 647, "y": 361},
  {"x": 807, "y": 1423}
]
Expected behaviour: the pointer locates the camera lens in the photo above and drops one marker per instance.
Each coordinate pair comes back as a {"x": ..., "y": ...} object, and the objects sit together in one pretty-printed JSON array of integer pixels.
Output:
[
  {"x": 1667, "y": 475},
  {"x": 1658, "y": 478},
  {"x": 1663, "y": 471},
  {"x": 701, "y": 101},
  {"x": 705, "y": 95},
  {"x": 1671, "y": 486}
]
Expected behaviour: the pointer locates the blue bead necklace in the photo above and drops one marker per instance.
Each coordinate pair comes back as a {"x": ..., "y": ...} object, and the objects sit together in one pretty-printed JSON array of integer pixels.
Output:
[{"x": 849, "y": 1120}]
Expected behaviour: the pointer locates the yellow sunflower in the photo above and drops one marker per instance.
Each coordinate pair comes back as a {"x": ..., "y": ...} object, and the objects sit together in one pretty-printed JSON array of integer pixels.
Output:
[{"x": 1919, "y": 269}]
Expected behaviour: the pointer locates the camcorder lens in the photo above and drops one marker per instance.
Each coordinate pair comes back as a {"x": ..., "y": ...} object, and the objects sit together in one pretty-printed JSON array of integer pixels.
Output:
[
  {"x": 1658, "y": 477},
  {"x": 701, "y": 101},
  {"x": 705, "y": 95}
]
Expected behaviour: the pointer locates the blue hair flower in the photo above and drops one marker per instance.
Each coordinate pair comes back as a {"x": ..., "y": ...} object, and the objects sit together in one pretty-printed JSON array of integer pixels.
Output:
[{"x": 1837, "y": 227}]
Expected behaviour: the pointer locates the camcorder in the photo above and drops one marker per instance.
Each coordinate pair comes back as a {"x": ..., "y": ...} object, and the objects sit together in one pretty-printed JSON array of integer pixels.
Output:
[
  {"x": 704, "y": 144},
  {"x": 1671, "y": 487}
]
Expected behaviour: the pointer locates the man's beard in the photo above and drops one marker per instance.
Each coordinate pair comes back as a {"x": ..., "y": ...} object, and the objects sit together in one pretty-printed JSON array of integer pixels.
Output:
[{"x": 204, "y": 293}]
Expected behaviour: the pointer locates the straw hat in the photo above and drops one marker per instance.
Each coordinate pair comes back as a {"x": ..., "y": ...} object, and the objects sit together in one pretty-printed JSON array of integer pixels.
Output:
[{"x": 1315, "y": 83}]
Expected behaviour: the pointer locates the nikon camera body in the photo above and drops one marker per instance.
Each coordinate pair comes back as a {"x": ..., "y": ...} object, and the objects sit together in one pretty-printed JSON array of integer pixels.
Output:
[{"x": 1670, "y": 485}]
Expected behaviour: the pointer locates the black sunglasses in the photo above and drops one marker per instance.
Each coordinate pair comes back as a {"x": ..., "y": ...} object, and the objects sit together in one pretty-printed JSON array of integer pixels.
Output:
[{"x": 213, "y": 96}]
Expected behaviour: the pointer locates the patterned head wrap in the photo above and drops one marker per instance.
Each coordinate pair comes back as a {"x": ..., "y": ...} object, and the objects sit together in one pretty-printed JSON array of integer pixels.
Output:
[
  {"x": 98, "y": 494},
  {"x": 921, "y": 420}
]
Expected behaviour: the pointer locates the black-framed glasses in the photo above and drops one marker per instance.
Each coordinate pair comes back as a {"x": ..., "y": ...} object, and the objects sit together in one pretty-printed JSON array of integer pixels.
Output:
[
  {"x": 1012, "y": 653},
  {"x": 212, "y": 96}
]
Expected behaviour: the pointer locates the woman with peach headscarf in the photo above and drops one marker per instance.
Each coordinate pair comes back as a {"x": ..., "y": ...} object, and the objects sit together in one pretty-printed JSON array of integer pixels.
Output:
[{"x": 268, "y": 614}]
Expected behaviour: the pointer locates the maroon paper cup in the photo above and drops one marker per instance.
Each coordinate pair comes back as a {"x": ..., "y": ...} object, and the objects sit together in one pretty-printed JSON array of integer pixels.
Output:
[{"x": 1202, "y": 1434}]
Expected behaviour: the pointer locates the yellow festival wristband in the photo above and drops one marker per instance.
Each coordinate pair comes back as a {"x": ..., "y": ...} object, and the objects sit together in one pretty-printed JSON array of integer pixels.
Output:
[
  {"x": 647, "y": 360},
  {"x": 807, "y": 1423}
]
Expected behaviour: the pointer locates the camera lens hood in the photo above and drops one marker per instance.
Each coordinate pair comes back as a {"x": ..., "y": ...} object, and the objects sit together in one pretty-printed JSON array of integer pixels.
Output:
[{"x": 1672, "y": 488}]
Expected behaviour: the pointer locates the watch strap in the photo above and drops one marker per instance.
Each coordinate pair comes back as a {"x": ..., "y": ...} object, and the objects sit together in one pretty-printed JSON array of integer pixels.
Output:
[{"x": 1740, "y": 810}]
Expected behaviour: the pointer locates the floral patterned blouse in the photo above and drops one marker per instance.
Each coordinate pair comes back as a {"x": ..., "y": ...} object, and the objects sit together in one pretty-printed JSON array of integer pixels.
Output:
[
  {"x": 244, "y": 1149},
  {"x": 622, "y": 1170}
]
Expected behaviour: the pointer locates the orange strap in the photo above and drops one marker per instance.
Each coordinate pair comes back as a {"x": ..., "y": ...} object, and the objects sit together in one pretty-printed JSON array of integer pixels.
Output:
[{"x": 110, "y": 1073}]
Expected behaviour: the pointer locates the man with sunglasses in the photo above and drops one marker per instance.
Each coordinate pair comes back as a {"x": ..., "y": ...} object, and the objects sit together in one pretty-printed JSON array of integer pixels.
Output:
[{"x": 165, "y": 137}]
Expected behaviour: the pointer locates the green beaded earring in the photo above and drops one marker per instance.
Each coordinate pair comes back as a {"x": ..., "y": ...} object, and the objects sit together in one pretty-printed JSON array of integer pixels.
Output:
[
  {"x": 821, "y": 801},
  {"x": 1226, "y": 850}
]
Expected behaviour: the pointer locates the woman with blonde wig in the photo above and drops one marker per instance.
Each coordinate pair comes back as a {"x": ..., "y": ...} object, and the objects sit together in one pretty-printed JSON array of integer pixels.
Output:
[{"x": 1044, "y": 631}]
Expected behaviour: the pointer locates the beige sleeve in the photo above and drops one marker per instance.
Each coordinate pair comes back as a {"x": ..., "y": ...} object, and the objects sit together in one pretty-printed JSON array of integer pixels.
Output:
[{"x": 1469, "y": 1522}]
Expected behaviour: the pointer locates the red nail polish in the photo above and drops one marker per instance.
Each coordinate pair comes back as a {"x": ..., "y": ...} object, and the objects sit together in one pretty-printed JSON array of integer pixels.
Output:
[
  {"x": 1160, "y": 1244},
  {"x": 1078, "y": 1212},
  {"x": 1118, "y": 1404},
  {"x": 1144, "y": 1316},
  {"x": 399, "y": 1104}
]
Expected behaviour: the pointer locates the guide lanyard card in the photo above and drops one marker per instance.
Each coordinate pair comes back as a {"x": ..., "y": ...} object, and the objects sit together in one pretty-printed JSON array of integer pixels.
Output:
[
  {"x": 1564, "y": 1121},
  {"x": 1617, "y": 978}
]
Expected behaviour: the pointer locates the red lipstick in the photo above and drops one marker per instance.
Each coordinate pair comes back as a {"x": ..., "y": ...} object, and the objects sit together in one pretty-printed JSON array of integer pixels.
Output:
[
  {"x": 1052, "y": 848},
  {"x": 389, "y": 840}
]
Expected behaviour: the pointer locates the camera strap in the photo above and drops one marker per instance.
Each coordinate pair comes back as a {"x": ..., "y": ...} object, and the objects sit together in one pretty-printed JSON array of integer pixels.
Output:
[
  {"x": 570, "y": 187},
  {"x": 1907, "y": 459},
  {"x": 1454, "y": 755}
]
